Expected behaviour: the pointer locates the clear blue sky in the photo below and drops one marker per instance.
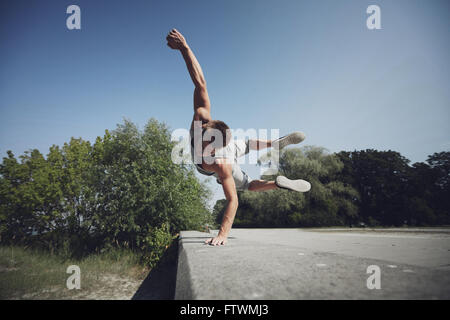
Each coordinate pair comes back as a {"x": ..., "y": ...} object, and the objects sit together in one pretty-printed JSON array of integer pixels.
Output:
[{"x": 294, "y": 65}]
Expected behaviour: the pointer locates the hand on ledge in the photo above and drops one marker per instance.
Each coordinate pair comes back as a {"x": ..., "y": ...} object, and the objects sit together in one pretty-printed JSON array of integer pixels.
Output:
[{"x": 217, "y": 241}]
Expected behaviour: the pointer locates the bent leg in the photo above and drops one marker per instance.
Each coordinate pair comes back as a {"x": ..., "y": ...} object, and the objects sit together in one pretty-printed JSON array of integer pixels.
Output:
[
  {"x": 262, "y": 185},
  {"x": 259, "y": 144}
]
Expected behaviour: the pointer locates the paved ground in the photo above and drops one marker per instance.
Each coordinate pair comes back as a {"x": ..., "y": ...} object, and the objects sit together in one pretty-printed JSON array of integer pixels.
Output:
[{"x": 315, "y": 264}]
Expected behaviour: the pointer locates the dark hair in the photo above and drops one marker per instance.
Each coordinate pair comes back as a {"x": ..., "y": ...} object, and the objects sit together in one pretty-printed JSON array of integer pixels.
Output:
[{"x": 221, "y": 126}]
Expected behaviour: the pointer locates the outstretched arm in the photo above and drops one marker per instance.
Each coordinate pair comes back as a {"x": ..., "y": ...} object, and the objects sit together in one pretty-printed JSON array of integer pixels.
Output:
[
  {"x": 175, "y": 40},
  {"x": 224, "y": 170}
]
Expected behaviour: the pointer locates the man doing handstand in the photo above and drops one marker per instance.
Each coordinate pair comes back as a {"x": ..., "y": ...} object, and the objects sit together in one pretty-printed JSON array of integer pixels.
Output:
[{"x": 214, "y": 152}]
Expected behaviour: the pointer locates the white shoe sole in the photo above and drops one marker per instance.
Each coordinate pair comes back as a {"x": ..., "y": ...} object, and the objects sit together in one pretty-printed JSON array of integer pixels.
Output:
[
  {"x": 295, "y": 185},
  {"x": 293, "y": 138}
]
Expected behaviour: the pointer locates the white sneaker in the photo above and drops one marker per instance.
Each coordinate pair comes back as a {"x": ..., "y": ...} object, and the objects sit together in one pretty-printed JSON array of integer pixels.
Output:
[
  {"x": 292, "y": 138},
  {"x": 295, "y": 185}
]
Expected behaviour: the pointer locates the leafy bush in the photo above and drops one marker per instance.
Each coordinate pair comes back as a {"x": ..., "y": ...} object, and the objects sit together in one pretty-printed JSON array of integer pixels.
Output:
[
  {"x": 330, "y": 202},
  {"x": 122, "y": 191},
  {"x": 376, "y": 188}
]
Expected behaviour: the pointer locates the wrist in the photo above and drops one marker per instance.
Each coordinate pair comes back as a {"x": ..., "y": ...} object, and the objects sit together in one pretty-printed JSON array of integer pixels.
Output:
[
  {"x": 223, "y": 233},
  {"x": 184, "y": 48}
]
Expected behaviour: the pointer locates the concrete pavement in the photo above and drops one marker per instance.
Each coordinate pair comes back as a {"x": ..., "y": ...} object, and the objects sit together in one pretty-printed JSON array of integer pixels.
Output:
[{"x": 314, "y": 264}]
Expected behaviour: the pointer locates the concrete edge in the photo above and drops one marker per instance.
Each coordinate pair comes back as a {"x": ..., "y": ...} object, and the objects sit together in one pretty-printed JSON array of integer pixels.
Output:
[
  {"x": 382, "y": 230},
  {"x": 183, "y": 287},
  {"x": 192, "y": 282}
]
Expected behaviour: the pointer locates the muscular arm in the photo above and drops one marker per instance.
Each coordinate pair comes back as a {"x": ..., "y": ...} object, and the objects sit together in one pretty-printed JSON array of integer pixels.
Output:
[
  {"x": 194, "y": 68},
  {"x": 224, "y": 170},
  {"x": 202, "y": 106},
  {"x": 175, "y": 40}
]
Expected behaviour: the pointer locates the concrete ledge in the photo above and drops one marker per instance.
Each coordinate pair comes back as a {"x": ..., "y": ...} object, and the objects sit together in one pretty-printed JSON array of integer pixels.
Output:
[
  {"x": 445, "y": 230},
  {"x": 184, "y": 284},
  {"x": 299, "y": 264}
]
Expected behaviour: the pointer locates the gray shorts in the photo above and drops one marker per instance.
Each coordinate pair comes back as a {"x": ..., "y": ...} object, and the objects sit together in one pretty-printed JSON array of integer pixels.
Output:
[{"x": 234, "y": 150}]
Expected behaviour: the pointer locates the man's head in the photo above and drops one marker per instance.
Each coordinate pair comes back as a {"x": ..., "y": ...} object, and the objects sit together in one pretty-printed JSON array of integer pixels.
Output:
[
  {"x": 209, "y": 136},
  {"x": 217, "y": 132}
]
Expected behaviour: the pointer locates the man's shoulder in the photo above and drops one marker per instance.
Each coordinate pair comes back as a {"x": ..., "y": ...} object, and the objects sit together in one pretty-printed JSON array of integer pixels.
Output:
[
  {"x": 202, "y": 114},
  {"x": 221, "y": 166}
]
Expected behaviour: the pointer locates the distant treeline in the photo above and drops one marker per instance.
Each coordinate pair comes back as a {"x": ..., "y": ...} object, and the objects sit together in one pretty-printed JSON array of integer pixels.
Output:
[
  {"x": 369, "y": 187},
  {"x": 125, "y": 191},
  {"x": 121, "y": 191}
]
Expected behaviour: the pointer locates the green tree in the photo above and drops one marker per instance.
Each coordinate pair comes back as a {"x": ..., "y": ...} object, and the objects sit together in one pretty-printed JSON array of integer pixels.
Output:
[
  {"x": 330, "y": 202},
  {"x": 30, "y": 195},
  {"x": 438, "y": 177},
  {"x": 123, "y": 190},
  {"x": 138, "y": 193},
  {"x": 382, "y": 179}
]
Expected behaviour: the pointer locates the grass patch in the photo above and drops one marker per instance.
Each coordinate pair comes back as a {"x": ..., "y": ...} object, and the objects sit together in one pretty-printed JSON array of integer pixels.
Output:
[{"x": 34, "y": 274}]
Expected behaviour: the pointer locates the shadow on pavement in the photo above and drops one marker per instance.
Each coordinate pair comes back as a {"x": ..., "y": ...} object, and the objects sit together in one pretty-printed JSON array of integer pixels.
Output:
[{"x": 161, "y": 280}]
